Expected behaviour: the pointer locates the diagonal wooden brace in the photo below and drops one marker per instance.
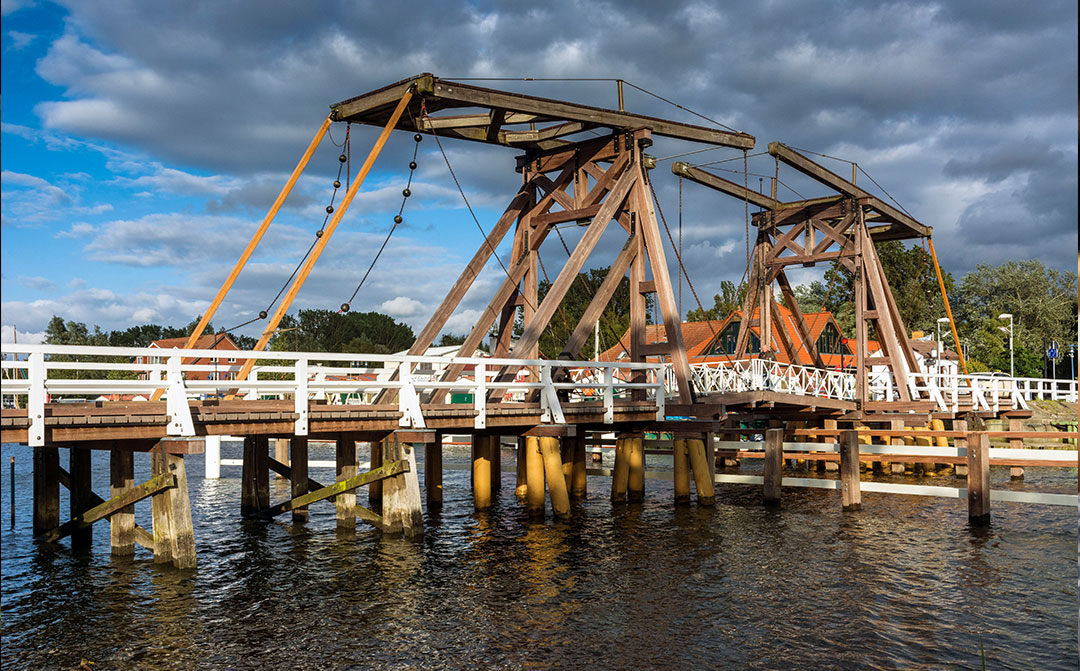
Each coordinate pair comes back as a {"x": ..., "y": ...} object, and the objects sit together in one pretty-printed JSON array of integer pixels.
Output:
[
  {"x": 387, "y": 470},
  {"x": 107, "y": 508}
]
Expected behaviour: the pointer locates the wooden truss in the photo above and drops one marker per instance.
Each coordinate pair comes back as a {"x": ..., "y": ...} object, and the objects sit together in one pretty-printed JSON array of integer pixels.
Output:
[{"x": 841, "y": 228}]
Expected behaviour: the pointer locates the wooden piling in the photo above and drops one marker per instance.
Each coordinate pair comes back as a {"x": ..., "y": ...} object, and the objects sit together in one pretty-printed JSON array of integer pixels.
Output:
[
  {"x": 178, "y": 509},
  {"x": 566, "y": 452},
  {"x": 520, "y": 466},
  {"x": 556, "y": 480},
  {"x": 346, "y": 468},
  {"x": 81, "y": 493},
  {"x": 298, "y": 475},
  {"x": 978, "y": 479},
  {"x": 481, "y": 472},
  {"x": 402, "y": 511},
  {"x": 255, "y": 476},
  {"x": 774, "y": 466},
  {"x": 281, "y": 453},
  {"x": 46, "y": 489},
  {"x": 534, "y": 473},
  {"x": 960, "y": 470},
  {"x": 635, "y": 476},
  {"x": 122, "y": 523},
  {"x": 829, "y": 425},
  {"x": 495, "y": 454},
  {"x": 850, "y": 494},
  {"x": 699, "y": 462},
  {"x": 1016, "y": 424},
  {"x": 160, "y": 505},
  {"x": 680, "y": 458},
  {"x": 433, "y": 471},
  {"x": 620, "y": 470},
  {"x": 579, "y": 479},
  {"x": 897, "y": 468},
  {"x": 375, "y": 489}
]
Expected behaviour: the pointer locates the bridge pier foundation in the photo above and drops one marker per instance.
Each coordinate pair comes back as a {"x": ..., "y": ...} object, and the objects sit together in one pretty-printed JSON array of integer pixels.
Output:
[
  {"x": 345, "y": 503},
  {"x": 534, "y": 474},
  {"x": 620, "y": 470},
  {"x": 481, "y": 471},
  {"x": 46, "y": 489},
  {"x": 433, "y": 471}
]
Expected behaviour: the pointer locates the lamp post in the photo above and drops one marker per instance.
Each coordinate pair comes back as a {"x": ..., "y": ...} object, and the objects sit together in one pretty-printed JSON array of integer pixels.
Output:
[
  {"x": 1012, "y": 362},
  {"x": 940, "y": 345}
]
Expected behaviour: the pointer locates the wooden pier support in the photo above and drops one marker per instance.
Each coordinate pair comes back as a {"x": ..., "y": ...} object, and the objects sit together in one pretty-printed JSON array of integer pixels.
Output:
[
  {"x": 402, "y": 510},
  {"x": 621, "y": 469},
  {"x": 122, "y": 522},
  {"x": 978, "y": 478},
  {"x": 850, "y": 494},
  {"x": 635, "y": 477},
  {"x": 46, "y": 489},
  {"x": 281, "y": 452},
  {"x": 376, "y": 459},
  {"x": 298, "y": 475},
  {"x": 774, "y": 466},
  {"x": 703, "y": 475},
  {"x": 345, "y": 503},
  {"x": 578, "y": 479},
  {"x": 481, "y": 472},
  {"x": 495, "y": 454},
  {"x": 680, "y": 457},
  {"x": 1016, "y": 424},
  {"x": 960, "y": 470},
  {"x": 433, "y": 471},
  {"x": 556, "y": 479},
  {"x": 534, "y": 473},
  {"x": 174, "y": 534},
  {"x": 255, "y": 476},
  {"x": 81, "y": 493},
  {"x": 522, "y": 481}
]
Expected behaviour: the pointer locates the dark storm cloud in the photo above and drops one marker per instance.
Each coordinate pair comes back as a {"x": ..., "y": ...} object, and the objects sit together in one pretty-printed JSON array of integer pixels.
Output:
[{"x": 965, "y": 111}]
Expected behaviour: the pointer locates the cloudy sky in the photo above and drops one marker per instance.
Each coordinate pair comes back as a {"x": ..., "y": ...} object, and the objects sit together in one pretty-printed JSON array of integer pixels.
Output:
[{"x": 144, "y": 141}]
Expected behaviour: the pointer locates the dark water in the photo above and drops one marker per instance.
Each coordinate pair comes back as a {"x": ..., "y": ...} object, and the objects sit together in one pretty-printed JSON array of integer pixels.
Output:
[{"x": 904, "y": 584}]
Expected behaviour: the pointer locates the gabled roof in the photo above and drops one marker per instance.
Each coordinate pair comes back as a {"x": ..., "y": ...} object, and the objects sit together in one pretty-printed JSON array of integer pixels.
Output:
[{"x": 207, "y": 341}]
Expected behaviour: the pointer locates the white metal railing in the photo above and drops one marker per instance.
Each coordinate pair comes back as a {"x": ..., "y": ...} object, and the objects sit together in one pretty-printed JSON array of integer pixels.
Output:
[
  {"x": 32, "y": 372},
  {"x": 762, "y": 375}
]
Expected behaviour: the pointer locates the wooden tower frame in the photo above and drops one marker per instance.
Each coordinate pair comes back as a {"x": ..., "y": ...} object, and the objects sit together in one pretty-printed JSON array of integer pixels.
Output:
[
  {"x": 591, "y": 181},
  {"x": 842, "y": 228}
]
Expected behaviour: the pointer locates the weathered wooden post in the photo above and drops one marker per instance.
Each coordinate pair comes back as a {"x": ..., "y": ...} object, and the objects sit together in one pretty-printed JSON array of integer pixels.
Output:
[
  {"x": 495, "y": 454},
  {"x": 46, "y": 489},
  {"x": 897, "y": 425},
  {"x": 620, "y": 470},
  {"x": 978, "y": 479},
  {"x": 298, "y": 475},
  {"x": 774, "y": 466},
  {"x": 255, "y": 476},
  {"x": 703, "y": 480},
  {"x": 81, "y": 494},
  {"x": 346, "y": 468},
  {"x": 522, "y": 488},
  {"x": 375, "y": 489},
  {"x": 433, "y": 471},
  {"x": 174, "y": 534},
  {"x": 579, "y": 478},
  {"x": 635, "y": 476},
  {"x": 960, "y": 470},
  {"x": 681, "y": 465},
  {"x": 481, "y": 472},
  {"x": 534, "y": 472},
  {"x": 402, "y": 511},
  {"x": 1016, "y": 424},
  {"x": 831, "y": 425},
  {"x": 850, "y": 494},
  {"x": 122, "y": 522},
  {"x": 556, "y": 480},
  {"x": 281, "y": 453}
]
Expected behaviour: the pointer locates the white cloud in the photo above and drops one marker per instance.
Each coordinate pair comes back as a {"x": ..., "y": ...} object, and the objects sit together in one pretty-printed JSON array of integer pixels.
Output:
[
  {"x": 36, "y": 283},
  {"x": 20, "y": 40},
  {"x": 401, "y": 306},
  {"x": 8, "y": 333}
]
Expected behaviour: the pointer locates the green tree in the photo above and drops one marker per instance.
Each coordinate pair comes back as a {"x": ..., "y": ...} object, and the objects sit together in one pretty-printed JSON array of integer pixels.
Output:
[
  {"x": 1043, "y": 304},
  {"x": 329, "y": 331},
  {"x": 727, "y": 301}
]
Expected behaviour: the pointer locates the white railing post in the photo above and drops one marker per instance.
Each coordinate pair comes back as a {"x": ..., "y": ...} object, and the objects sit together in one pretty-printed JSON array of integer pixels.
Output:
[
  {"x": 609, "y": 395},
  {"x": 480, "y": 396},
  {"x": 35, "y": 401},
  {"x": 213, "y": 458},
  {"x": 300, "y": 397},
  {"x": 551, "y": 409},
  {"x": 408, "y": 400},
  {"x": 176, "y": 402},
  {"x": 252, "y": 394}
]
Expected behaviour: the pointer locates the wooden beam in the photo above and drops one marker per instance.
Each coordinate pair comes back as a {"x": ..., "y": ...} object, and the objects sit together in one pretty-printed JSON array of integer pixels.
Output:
[
  {"x": 142, "y": 536},
  {"x": 800, "y": 319},
  {"x": 831, "y": 179},
  {"x": 724, "y": 186},
  {"x": 601, "y": 299},
  {"x": 108, "y": 508},
  {"x": 387, "y": 470}
]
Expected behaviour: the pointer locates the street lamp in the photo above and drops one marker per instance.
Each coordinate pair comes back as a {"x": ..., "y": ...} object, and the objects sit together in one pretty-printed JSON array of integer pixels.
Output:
[{"x": 1012, "y": 364}]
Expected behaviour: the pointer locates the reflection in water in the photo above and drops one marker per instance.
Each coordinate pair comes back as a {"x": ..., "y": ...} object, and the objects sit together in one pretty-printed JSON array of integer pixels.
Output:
[{"x": 903, "y": 584}]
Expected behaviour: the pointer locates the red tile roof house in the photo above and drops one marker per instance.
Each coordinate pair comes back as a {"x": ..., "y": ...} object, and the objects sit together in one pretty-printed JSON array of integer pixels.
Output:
[{"x": 209, "y": 341}]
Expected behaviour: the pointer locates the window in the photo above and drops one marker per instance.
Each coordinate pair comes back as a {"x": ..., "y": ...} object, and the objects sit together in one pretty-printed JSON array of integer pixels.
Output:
[
  {"x": 829, "y": 342},
  {"x": 728, "y": 338}
]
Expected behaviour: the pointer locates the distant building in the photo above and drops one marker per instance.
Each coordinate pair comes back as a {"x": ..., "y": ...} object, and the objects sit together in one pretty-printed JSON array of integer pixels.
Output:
[{"x": 220, "y": 341}]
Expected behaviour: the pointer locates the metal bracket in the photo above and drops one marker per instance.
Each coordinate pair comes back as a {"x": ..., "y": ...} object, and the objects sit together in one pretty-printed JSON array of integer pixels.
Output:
[
  {"x": 176, "y": 403},
  {"x": 35, "y": 406}
]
